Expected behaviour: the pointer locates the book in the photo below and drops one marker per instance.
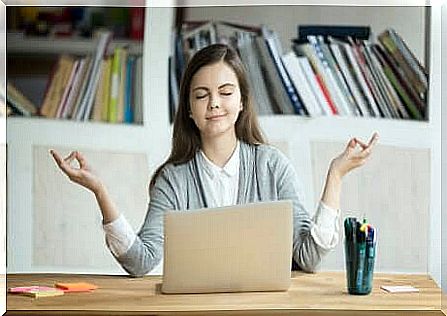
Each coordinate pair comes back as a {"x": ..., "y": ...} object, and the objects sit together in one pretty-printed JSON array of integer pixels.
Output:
[
  {"x": 275, "y": 89},
  {"x": 128, "y": 102},
  {"x": 75, "y": 88},
  {"x": 392, "y": 94},
  {"x": 99, "y": 102},
  {"x": 392, "y": 75},
  {"x": 305, "y": 49},
  {"x": 122, "y": 86},
  {"x": 103, "y": 38},
  {"x": 329, "y": 79},
  {"x": 85, "y": 77},
  {"x": 106, "y": 89},
  {"x": 67, "y": 89},
  {"x": 348, "y": 102},
  {"x": 136, "y": 15},
  {"x": 351, "y": 53},
  {"x": 414, "y": 75},
  {"x": 19, "y": 101},
  {"x": 249, "y": 55},
  {"x": 373, "y": 82},
  {"x": 293, "y": 67},
  {"x": 408, "y": 55},
  {"x": 342, "y": 31},
  {"x": 375, "y": 69},
  {"x": 311, "y": 78},
  {"x": 138, "y": 91},
  {"x": 59, "y": 80},
  {"x": 347, "y": 70},
  {"x": 114, "y": 84},
  {"x": 294, "y": 106}
]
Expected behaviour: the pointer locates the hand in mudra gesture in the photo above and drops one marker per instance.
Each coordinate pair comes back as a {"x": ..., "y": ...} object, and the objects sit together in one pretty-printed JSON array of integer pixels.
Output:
[
  {"x": 355, "y": 155},
  {"x": 82, "y": 175}
]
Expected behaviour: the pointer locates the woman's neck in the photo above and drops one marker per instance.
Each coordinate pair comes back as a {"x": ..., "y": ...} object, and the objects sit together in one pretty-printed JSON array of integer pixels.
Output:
[{"x": 219, "y": 149}]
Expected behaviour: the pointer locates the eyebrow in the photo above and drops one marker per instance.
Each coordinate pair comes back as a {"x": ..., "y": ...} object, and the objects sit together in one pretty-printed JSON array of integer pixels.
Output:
[{"x": 221, "y": 86}]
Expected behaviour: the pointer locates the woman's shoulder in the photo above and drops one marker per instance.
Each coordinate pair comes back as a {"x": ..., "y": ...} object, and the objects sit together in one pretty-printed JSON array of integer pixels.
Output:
[
  {"x": 268, "y": 152},
  {"x": 267, "y": 155},
  {"x": 176, "y": 169}
]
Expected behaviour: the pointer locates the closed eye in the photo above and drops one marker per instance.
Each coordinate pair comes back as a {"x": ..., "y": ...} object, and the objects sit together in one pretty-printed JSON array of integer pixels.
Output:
[{"x": 201, "y": 96}]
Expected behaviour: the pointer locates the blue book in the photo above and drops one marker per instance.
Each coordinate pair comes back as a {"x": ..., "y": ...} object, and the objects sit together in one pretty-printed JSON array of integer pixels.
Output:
[
  {"x": 275, "y": 52},
  {"x": 128, "y": 106}
]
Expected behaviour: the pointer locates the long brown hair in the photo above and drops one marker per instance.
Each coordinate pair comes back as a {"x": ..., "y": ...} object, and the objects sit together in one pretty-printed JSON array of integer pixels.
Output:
[{"x": 186, "y": 136}]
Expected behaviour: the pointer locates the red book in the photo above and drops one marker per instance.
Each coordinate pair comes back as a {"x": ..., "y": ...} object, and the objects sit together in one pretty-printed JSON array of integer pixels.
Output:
[
  {"x": 136, "y": 23},
  {"x": 326, "y": 94}
]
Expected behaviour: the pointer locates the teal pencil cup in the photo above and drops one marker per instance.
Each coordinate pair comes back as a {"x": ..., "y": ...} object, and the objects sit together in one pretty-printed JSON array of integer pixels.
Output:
[{"x": 360, "y": 255}]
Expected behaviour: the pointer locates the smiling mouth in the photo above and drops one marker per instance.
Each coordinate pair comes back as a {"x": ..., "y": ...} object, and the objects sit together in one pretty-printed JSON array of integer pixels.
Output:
[{"x": 215, "y": 117}]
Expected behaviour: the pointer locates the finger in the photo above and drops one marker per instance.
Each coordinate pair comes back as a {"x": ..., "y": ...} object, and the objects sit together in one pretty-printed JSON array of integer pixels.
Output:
[
  {"x": 362, "y": 144},
  {"x": 82, "y": 162},
  {"x": 63, "y": 163},
  {"x": 56, "y": 157},
  {"x": 362, "y": 155},
  {"x": 373, "y": 140},
  {"x": 70, "y": 157}
]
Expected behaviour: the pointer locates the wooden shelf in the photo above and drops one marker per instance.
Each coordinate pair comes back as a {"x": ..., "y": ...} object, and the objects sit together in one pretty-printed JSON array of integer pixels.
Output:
[{"x": 19, "y": 44}]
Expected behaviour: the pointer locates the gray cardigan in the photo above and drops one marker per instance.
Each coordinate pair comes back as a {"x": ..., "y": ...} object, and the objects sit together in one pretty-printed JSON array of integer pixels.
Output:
[{"x": 265, "y": 174}]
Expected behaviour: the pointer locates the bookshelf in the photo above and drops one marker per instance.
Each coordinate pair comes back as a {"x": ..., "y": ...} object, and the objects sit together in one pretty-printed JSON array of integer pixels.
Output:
[
  {"x": 407, "y": 159},
  {"x": 19, "y": 44},
  {"x": 309, "y": 143}
]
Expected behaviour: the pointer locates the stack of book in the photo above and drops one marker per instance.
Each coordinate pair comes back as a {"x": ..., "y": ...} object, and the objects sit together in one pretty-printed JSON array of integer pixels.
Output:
[
  {"x": 331, "y": 70},
  {"x": 17, "y": 103},
  {"x": 96, "y": 87}
]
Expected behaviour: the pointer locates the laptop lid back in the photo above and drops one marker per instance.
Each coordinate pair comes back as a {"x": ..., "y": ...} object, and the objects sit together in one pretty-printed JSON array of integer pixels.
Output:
[{"x": 228, "y": 249}]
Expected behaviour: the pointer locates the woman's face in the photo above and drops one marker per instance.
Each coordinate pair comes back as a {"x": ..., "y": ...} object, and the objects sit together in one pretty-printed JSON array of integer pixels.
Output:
[{"x": 215, "y": 100}]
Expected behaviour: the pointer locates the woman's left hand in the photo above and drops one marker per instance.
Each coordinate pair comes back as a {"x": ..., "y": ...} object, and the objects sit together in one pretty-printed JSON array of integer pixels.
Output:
[{"x": 351, "y": 157}]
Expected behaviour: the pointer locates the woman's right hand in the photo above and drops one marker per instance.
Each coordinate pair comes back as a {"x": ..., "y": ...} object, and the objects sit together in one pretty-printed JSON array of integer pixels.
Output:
[{"x": 82, "y": 175}]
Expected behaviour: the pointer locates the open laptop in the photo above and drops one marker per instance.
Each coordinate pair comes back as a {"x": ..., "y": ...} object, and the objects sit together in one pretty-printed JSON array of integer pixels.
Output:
[{"x": 228, "y": 249}]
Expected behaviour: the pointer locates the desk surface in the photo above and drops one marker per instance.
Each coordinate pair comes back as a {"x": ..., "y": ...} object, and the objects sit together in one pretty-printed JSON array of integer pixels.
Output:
[{"x": 323, "y": 293}]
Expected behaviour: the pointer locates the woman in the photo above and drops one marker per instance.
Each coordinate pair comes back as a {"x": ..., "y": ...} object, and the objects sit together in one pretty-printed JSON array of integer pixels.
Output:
[{"x": 219, "y": 157}]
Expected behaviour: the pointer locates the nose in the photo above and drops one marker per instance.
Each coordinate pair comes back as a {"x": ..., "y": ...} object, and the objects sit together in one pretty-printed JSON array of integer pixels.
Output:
[{"x": 214, "y": 104}]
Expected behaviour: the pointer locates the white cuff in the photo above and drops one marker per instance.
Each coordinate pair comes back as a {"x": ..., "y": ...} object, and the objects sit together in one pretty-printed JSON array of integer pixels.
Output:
[
  {"x": 119, "y": 235},
  {"x": 325, "y": 232}
]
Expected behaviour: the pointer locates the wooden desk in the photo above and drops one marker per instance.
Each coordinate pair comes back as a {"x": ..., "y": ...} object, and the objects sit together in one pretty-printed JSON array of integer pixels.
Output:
[{"x": 323, "y": 293}]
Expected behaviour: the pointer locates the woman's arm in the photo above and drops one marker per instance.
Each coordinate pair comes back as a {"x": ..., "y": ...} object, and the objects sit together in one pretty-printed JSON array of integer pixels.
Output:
[
  {"x": 309, "y": 238},
  {"x": 85, "y": 177},
  {"x": 147, "y": 248},
  {"x": 348, "y": 160}
]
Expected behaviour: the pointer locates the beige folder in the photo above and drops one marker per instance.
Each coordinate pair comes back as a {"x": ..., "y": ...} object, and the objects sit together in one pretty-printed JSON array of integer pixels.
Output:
[{"x": 228, "y": 249}]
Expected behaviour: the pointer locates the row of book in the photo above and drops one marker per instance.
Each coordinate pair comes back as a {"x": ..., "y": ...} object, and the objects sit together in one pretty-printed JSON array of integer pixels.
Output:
[
  {"x": 96, "y": 87},
  {"x": 331, "y": 70}
]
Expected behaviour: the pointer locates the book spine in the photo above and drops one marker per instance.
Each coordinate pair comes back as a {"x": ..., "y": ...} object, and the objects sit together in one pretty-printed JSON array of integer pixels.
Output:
[
  {"x": 114, "y": 85},
  {"x": 314, "y": 85},
  {"x": 296, "y": 107},
  {"x": 128, "y": 110},
  {"x": 347, "y": 71},
  {"x": 307, "y": 50},
  {"x": 297, "y": 76}
]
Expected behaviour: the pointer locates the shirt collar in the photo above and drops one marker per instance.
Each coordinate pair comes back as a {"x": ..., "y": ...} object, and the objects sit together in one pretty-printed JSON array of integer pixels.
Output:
[{"x": 230, "y": 169}]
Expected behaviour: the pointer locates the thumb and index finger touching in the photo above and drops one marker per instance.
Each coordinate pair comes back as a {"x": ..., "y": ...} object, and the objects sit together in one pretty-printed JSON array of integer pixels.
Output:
[
  {"x": 365, "y": 148},
  {"x": 64, "y": 163}
]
